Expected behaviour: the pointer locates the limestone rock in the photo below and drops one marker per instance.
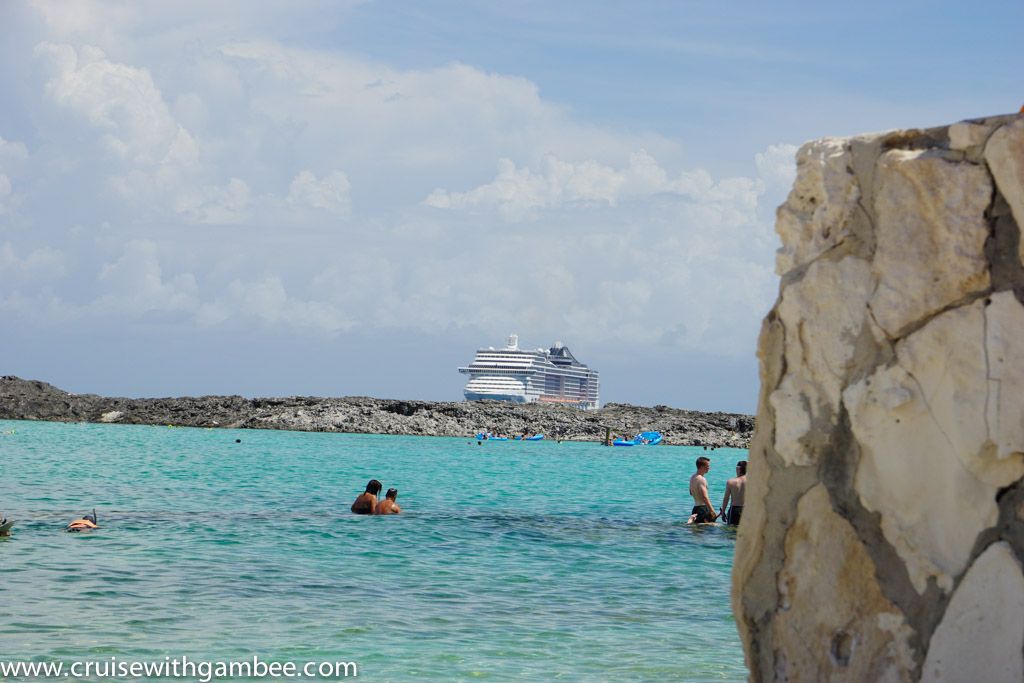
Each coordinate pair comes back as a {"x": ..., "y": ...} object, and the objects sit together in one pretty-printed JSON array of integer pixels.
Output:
[
  {"x": 928, "y": 428},
  {"x": 890, "y": 442},
  {"x": 111, "y": 416},
  {"x": 969, "y": 135},
  {"x": 981, "y": 635},
  {"x": 930, "y": 236},
  {"x": 1004, "y": 353},
  {"x": 834, "y": 623},
  {"x": 822, "y": 314},
  {"x": 1005, "y": 156},
  {"x": 816, "y": 215}
]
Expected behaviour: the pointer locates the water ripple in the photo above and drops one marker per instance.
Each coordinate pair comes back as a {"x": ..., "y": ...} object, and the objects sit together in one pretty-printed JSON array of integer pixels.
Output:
[{"x": 221, "y": 550}]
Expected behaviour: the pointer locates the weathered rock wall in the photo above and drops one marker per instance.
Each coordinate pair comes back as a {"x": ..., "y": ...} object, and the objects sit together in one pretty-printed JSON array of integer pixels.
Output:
[
  {"x": 883, "y": 536},
  {"x": 34, "y": 400}
]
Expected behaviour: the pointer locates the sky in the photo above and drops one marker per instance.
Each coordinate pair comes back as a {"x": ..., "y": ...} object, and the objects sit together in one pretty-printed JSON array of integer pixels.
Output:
[{"x": 349, "y": 198}]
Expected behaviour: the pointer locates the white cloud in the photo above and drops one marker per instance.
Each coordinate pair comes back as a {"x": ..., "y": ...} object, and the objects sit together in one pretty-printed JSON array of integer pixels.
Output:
[
  {"x": 438, "y": 120},
  {"x": 121, "y": 100},
  {"x": 12, "y": 156},
  {"x": 135, "y": 284},
  {"x": 584, "y": 231},
  {"x": 267, "y": 301},
  {"x": 330, "y": 193},
  {"x": 41, "y": 266},
  {"x": 227, "y": 205},
  {"x": 516, "y": 192},
  {"x": 777, "y": 165},
  {"x": 96, "y": 20}
]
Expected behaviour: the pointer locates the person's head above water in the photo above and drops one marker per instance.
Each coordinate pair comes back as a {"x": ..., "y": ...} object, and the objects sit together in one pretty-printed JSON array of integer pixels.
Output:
[
  {"x": 91, "y": 517},
  {"x": 391, "y": 494},
  {"x": 703, "y": 462},
  {"x": 373, "y": 486}
]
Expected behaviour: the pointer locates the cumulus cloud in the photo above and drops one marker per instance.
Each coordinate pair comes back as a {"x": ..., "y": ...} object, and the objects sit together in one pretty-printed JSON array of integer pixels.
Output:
[
  {"x": 135, "y": 284},
  {"x": 441, "y": 120},
  {"x": 121, "y": 100},
  {"x": 12, "y": 156},
  {"x": 41, "y": 265},
  {"x": 267, "y": 301},
  {"x": 351, "y": 194},
  {"x": 777, "y": 165},
  {"x": 224, "y": 205},
  {"x": 330, "y": 193},
  {"x": 516, "y": 192}
]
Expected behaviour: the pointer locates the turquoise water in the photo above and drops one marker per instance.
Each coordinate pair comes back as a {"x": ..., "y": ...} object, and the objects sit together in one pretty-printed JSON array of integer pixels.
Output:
[{"x": 513, "y": 561}]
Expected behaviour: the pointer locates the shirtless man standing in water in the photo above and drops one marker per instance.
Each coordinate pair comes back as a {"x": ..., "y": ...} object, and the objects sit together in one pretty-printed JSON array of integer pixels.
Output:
[
  {"x": 703, "y": 511},
  {"x": 734, "y": 489},
  {"x": 388, "y": 506},
  {"x": 366, "y": 502}
]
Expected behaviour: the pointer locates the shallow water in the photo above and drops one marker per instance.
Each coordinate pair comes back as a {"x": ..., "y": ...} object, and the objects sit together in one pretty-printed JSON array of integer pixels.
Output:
[{"x": 513, "y": 561}]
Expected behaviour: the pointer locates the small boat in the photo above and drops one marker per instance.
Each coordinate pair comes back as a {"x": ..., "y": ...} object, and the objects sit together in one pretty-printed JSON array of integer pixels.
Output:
[
  {"x": 535, "y": 437},
  {"x": 641, "y": 439}
]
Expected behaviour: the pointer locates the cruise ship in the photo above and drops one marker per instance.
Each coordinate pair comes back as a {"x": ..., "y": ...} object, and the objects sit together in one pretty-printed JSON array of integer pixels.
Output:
[{"x": 527, "y": 375}]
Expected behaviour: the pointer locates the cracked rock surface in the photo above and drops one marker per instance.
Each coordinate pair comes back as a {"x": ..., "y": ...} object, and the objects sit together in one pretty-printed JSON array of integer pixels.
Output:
[{"x": 883, "y": 537}]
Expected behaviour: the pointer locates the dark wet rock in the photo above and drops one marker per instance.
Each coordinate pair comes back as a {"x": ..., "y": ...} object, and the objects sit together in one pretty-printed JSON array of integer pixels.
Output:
[{"x": 34, "y": 400}]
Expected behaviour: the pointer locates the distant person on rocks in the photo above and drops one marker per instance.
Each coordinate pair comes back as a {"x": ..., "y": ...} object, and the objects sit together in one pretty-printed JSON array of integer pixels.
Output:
[
  {"x": 703, "y": 510},
  {"x": 388, "y": 506},
  {"x": 734, "y": 490},
  {"x": 366, "y": 502},
  {"x": 85, "y": 523}
]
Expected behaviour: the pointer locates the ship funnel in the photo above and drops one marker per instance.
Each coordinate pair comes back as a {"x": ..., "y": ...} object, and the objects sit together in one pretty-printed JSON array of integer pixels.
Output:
[{"x": 513, "y": 341}]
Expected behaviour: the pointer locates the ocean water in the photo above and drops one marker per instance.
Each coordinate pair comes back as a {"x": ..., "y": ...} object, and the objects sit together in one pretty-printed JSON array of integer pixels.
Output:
[{"x": 512, "y": 562}]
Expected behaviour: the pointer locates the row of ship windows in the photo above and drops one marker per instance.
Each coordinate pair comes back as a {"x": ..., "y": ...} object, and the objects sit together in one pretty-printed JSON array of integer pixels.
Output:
[{"x": 516, "y": 371}]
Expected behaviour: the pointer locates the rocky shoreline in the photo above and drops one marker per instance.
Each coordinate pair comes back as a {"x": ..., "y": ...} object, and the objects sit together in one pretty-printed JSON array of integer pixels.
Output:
[{"x": 35, "y": 400}]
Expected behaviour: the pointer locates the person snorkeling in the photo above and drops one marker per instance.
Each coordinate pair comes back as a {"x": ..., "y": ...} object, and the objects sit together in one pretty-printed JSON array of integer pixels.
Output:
[{"x": 85, "y": 523}]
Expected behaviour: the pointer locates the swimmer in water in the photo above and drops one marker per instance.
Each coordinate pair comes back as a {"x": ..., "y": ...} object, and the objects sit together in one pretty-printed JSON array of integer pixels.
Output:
[
  {"x": 388, "y": 506},
  {"x": 366, "y": 502},
  {"x": 86, "y": 523}
]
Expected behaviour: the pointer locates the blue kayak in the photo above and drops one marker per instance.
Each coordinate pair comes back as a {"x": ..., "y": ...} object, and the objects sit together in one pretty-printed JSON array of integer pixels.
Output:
[
  {"x": 649, "y": 438},
  {"x": 641, "y": 439},
  {"x": 535, "y": 437},
  {"x": 487, "y": 436}
]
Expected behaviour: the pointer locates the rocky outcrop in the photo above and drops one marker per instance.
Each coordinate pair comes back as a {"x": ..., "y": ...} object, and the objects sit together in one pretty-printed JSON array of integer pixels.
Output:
[
  {"x": 34, "y": 400},
  {"x": 883, "y": 534}
]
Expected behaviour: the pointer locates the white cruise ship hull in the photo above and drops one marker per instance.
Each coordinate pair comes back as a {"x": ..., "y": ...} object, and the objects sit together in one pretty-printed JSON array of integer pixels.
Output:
[{"x": 526, "y": 376}]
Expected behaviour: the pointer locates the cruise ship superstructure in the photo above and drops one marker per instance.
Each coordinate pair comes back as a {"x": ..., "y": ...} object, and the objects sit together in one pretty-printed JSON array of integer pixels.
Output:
[{"x": 527, "y": 375}]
